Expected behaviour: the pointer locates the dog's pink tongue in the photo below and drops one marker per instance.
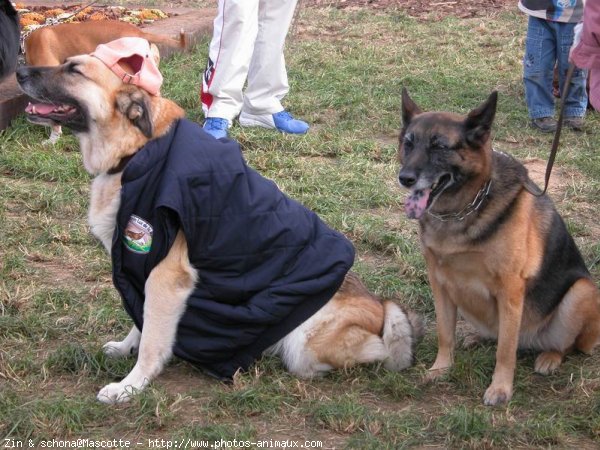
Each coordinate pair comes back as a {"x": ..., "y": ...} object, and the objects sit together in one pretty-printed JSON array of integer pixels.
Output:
[
  {"x": 416, "y": 203},
  {"x": 40, "y": 108}
]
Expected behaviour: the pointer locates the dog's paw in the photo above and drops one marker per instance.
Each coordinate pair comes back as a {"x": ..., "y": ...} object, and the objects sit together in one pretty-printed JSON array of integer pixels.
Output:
[
  {"x": 49, "y": 142},
  {"x": 497, "y": 395},
  {"x": 118, "y": 349},
  {"x": 547, "y": 362},
  {"x": 435, "y": 374},
  {"x": 116, "y": 393}
]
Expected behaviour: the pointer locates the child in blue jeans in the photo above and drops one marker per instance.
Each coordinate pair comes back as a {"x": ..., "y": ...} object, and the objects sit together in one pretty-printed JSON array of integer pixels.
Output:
[{"x": 549, "y": 39}]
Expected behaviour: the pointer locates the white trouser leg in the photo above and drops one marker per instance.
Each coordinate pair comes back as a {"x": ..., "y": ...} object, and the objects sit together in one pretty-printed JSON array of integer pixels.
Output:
[
  {"x": 230, "y": 51},
  {"x": 267, "y": 77}
]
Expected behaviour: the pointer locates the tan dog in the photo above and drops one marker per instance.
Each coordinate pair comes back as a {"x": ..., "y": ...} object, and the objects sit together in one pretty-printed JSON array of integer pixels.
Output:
[
  {"x": 52, "y": 45},
  {"x": 495, "y": 253},
  {"x": 112, "y": 122}
]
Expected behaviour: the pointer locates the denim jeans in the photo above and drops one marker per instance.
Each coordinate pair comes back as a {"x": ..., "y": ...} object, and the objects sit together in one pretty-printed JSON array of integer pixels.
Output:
[{"x": 547, "y": 45}]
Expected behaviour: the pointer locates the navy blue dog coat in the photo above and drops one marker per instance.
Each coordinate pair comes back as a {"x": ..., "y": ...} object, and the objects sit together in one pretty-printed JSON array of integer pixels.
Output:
[{"x": 265, "y": 263}]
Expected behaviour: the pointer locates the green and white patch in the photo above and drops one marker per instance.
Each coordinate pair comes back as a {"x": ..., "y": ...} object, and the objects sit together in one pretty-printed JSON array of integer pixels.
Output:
[{"x": 138, "y": 235}]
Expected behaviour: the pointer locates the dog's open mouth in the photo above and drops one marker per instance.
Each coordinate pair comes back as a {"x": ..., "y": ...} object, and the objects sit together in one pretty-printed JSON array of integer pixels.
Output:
[
  {"x": 59, "y": 113},
  {"x": 420, "y": 200}
]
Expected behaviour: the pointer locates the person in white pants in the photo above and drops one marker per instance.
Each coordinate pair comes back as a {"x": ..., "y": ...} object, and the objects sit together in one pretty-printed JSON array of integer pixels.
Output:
[{"x": 247, "y": 44}]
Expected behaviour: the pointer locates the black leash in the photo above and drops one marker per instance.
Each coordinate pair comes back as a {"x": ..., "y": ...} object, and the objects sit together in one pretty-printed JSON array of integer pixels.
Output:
[
  {"x": 556, "y": 140},
  {"x": 77, "y": 11}
]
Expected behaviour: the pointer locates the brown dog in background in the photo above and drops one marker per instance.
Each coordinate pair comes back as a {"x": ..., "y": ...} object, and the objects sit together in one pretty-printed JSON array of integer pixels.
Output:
[
  {"x": 52, "y": 45},
  {"x": 497, "y": 254}
]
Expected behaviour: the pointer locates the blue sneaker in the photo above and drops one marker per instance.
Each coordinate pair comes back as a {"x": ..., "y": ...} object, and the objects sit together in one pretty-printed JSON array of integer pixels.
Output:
[
  {"x": 216, "y": 127},
  {"x": 282, "y": 121}
]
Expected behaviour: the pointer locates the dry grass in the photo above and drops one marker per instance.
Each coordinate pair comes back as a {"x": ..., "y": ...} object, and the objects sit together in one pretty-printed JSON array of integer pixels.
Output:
[{"x": 57, "y": 306}]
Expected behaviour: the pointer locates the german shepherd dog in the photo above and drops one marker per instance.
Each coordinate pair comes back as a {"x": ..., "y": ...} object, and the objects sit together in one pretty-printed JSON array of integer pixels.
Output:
[
  {"x": 9, "y": 38},
  {"x": 495, "y": 253},
  {"x": 112, "y": 121}
]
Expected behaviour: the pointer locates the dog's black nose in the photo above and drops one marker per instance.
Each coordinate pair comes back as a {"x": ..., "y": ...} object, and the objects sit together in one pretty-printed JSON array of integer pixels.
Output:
[
  {"x": 407, "y": 178},
  {"x": 22, "y": 74}
]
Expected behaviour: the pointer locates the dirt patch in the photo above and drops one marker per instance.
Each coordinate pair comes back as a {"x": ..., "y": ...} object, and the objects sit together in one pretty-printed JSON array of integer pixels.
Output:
[
  {"x": 55, "y": 272},
  {"x": 562, "y": 184},
  {"x": 422, "y": 8},
  {"x": 559, "y": 181}
]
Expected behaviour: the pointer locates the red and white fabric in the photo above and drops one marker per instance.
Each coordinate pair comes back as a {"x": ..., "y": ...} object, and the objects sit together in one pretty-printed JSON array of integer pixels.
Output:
[{"x": 247, "y": 45}]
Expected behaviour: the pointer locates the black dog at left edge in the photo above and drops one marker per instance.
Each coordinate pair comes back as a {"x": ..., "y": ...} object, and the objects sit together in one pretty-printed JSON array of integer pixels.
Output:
[{"x": 9, "y": 38}]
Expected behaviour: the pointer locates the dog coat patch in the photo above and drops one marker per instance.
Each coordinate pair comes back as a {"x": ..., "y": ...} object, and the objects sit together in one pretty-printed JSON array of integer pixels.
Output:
[{"x": 138, "y": 235}]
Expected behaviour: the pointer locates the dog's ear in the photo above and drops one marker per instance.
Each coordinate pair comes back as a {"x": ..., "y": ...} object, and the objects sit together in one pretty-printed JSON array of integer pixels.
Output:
[
  {"x": 134, "y": 104},
  {"x": 478, "y": 123},
  {"x": 155, "y": 54},
  {"x": 409, "y": 108}
]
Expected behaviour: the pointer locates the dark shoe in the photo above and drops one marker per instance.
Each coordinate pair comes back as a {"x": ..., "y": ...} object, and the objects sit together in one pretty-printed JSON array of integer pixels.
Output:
[
  {"x": 544, "y": 124},
  {"x": 574, "y": 123}
]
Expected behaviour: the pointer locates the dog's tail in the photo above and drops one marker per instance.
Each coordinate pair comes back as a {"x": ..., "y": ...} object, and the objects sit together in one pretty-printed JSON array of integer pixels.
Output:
[
  {"x": 167, "y": 40},
  {"x": 402, "y": 329}
]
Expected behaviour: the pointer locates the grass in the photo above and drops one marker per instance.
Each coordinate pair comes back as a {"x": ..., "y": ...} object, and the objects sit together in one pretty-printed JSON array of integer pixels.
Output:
[{"x": 346, "y": 69}]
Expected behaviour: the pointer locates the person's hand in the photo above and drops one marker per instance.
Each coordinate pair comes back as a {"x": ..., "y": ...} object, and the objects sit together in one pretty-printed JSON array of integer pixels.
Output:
[{"x": 577, "y": 31}]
